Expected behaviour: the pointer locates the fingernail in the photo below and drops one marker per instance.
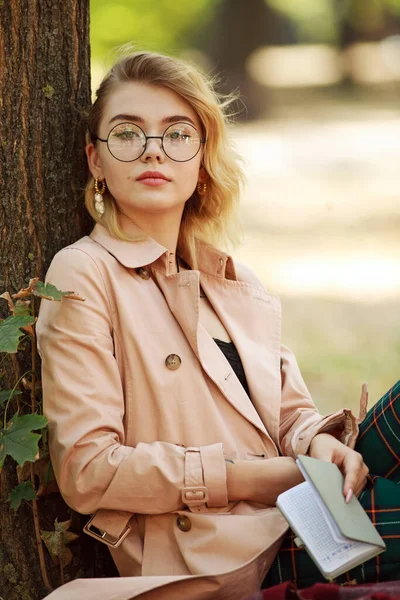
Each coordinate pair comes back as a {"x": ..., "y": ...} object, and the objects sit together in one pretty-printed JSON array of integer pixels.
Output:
[{"x": 349, "y": 496}]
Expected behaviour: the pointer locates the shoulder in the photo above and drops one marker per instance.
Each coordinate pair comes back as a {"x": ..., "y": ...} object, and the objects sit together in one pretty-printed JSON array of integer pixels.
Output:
[
  {"x": 82, "y": 256},
  {"x": 79, "y": 266},
  {"x": 246, "y": 274}
]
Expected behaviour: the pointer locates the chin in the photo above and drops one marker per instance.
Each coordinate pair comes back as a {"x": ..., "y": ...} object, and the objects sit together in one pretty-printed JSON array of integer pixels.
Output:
[{"x": 155, "y": 202}]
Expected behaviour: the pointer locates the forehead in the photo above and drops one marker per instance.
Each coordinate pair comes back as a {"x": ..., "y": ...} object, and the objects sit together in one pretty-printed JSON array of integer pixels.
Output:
[{"x": 152, "y": 103}]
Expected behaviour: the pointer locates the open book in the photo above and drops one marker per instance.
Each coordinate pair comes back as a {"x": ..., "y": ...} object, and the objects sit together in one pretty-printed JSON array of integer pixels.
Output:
[{"x": 337, "y": 536}]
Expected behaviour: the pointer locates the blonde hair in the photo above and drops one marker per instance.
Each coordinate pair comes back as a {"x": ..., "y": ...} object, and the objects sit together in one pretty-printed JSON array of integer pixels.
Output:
[{"x": 211, "y": 217}]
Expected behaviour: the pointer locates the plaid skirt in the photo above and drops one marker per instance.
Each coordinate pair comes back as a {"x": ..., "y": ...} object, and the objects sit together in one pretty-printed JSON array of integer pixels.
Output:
[{"x": 379, "y": 444}]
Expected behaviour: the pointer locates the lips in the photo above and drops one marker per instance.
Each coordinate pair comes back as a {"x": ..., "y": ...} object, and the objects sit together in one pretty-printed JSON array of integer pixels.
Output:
[{"x": 152, "y": 175}]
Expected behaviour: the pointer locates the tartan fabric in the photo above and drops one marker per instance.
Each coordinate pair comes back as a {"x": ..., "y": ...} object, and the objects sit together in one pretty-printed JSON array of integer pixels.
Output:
[
  {"x": 329, "y": 591},
  {"x": 379, "y": 444}
]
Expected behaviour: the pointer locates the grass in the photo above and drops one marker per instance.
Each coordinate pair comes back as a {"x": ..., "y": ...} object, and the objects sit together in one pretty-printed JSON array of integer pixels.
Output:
[{"x": 340, "y": 345}]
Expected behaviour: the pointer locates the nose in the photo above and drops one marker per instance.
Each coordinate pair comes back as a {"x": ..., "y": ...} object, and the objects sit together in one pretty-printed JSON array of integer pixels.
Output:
[{"x": 153, "y": 150}]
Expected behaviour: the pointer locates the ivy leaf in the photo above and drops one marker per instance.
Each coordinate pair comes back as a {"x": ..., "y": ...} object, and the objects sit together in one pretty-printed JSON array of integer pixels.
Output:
[
  {"x": 48, "y": 291},
  {"x": 51, "y": 292},
  {"x": 10, "y": 332},
  {"x": 23, "y": 491},
  {"x": 4, "y": 395},
  {"x": 56, "y": 542},
  {"x": 45, "y": 290},
  {"x": 21, "y": 308},
  {"x": 18, "y": 441}
]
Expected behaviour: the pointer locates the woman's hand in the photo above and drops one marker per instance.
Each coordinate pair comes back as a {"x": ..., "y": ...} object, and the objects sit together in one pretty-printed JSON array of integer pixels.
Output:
[
  {"x": 350, "y": 462},
  {"x": 261, "y": 480}
]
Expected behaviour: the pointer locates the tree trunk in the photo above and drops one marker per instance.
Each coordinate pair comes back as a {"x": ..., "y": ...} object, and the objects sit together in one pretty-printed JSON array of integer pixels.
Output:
[
  {"x": 241, "y": 27},
  {"x": 44, "y": 87}
]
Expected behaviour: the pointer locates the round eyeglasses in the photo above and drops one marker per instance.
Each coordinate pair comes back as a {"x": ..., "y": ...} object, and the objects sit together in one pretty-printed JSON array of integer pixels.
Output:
[{"x": 127, "y": 142}]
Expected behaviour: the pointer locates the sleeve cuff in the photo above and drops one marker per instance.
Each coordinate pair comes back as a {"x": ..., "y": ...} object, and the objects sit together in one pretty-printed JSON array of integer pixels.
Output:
[
  {"x": 214, "y": 469},
  {"x": 205, "y": 478},
  {"x": 341, "y": 424}
]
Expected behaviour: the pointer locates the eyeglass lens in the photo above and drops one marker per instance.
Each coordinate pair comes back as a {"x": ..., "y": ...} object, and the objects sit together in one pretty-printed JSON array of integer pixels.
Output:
[{"x": 127, "y": 141}]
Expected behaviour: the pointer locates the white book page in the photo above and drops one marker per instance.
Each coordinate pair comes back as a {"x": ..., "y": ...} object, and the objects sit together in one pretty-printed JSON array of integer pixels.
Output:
[{"x": 314, "y": 525}]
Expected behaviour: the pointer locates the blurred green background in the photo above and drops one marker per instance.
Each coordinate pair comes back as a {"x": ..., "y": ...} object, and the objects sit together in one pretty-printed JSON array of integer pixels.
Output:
[{"x": 319, "y": 128}]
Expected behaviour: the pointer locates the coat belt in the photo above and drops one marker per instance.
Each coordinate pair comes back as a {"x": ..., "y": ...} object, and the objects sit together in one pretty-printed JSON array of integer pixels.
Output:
[{"x": 109, "y": 526}]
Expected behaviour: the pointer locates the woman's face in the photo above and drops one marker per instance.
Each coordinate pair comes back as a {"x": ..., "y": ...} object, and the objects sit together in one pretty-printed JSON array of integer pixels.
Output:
[{"x": 153, "y": 108}]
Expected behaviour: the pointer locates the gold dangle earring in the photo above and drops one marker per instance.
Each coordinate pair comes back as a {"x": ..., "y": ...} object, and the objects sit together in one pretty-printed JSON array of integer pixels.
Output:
[
  {"x": 99, "y": 189},
  {"x": 201, "y": 188}
]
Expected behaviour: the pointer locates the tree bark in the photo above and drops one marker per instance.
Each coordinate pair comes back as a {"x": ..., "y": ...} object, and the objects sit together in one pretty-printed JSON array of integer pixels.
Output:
[{"x": 44, "y": 88}]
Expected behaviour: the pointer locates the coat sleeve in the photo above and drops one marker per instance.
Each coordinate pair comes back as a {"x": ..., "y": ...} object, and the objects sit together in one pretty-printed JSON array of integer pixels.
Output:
[
  {"x": 83, "y": 399},
  {"x": 300, "y": 420}
]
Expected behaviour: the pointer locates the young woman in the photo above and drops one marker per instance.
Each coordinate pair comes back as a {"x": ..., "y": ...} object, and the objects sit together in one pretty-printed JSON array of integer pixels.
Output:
[{"x": 175, "y": 415}]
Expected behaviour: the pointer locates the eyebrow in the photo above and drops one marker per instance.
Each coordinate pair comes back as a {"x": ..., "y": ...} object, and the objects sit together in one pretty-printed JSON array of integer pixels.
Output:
[{"x": 166, "y": 120}]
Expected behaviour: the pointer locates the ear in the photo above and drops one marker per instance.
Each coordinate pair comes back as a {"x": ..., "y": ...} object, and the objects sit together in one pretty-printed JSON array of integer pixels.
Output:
[{"x": 94, "y": 161}]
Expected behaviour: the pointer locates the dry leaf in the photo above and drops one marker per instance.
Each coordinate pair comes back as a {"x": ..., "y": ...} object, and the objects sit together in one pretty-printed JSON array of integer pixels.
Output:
[
  {"x": 24, "y": 292},
  {"x": 6, "y": 296},
  {"x": 27, "y": 383},
  {"x": 73, "y": 296},
  {"x": 28, "y": 291},
  {"x": 29, "y": 330},
  {"x": 43, "y": 470},
  {"x": 56, "y": 542}
]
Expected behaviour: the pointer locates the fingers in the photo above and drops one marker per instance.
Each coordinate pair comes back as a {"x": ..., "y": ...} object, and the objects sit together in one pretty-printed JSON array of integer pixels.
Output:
[
  {"x": 355, "y": 472},
  {"x": 349, "y": 495}
]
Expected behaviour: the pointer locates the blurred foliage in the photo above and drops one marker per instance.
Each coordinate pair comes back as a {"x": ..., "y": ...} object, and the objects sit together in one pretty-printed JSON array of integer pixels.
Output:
[
  {"x": 369, "y": 16},
  {"x": 315, "y": 21},
  {"x": 321, "y": 21},
  {"x": 340, "y": 345},
  {"x": 173, "y": 26},
  {"x": 161, "y": 25}
]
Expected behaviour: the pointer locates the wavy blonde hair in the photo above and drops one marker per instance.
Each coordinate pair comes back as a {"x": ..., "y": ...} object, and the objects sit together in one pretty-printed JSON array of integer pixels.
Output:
[{"x": 211, "y": 217}]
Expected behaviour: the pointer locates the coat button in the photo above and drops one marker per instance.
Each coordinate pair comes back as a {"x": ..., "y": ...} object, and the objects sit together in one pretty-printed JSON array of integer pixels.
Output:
[
  {"x": 143, "y": 272},
  {"x": 173, "y": 362},
  {"x": 184, "y": 523}
]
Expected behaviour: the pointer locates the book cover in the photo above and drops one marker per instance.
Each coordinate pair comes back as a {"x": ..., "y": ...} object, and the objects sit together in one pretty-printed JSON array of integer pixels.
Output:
[{"x": 337, "y": 536}]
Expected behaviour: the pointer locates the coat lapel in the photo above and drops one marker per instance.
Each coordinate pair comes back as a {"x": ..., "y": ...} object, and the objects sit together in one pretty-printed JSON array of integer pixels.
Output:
[
  {"x": 252, "y": 318},
  {"x": 234, "y": 308}
]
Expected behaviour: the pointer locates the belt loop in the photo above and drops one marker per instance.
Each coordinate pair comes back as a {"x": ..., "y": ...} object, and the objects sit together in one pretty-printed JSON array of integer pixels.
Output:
[{"x": 194, "y": 494}]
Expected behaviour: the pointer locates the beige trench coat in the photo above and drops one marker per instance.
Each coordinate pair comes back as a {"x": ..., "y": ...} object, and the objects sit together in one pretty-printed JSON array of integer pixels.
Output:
[{"x": 144, "y": 408}]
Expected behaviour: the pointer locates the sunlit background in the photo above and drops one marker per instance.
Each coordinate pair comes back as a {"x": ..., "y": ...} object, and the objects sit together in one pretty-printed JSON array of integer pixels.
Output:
[{"x": 320, "y": 134}]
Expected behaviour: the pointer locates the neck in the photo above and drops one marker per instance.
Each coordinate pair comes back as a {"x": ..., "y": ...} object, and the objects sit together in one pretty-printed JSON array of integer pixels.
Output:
[{"x": 163, "y": 230}]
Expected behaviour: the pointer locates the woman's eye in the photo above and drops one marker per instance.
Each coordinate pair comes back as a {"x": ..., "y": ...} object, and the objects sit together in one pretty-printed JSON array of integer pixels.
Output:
[
  {"x": 178, "y": 135},
  {"x": 126, "y": 135}
]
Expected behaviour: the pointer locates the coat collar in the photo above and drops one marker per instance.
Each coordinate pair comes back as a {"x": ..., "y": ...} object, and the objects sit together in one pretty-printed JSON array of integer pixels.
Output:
[{"x": 147, "y": 252}]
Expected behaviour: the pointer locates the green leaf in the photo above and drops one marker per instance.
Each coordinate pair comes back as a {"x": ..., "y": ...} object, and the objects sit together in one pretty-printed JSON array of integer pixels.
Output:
[
  {"x": 10, "y": 332},
  {"x": 4, "y": 395},
  {"x": 22, "y": 309},
  {"x": 49, "y": 291},
  {"x": 23, "y": 491},
  {"x": 18, "y": 441}
]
